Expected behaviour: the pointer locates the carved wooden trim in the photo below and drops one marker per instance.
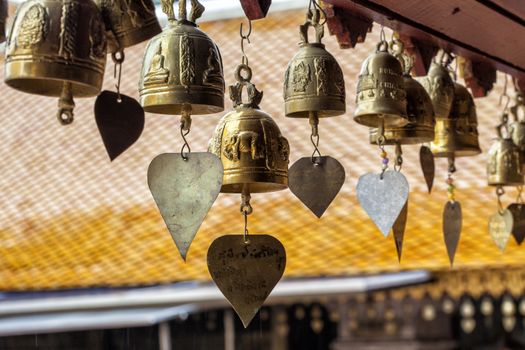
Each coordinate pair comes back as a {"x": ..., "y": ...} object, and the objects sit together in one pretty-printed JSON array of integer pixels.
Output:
[
  {"x": 421, "y": 51},
  {"x": 255, "y": 9},
  {"x": 479, "y": 76},
  {"x": 348, "y": 28}
]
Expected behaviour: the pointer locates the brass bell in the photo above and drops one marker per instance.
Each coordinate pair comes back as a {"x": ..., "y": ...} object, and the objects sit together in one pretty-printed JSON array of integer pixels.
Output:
[
  {"x": 440, "y": 87},
  {"x": 314, "y": 80},
  {"x": 57, "y": 48},
  {"x": 457, "y": 135},
  {"x": 504, "y": 166},
  {"x": 420, "y": 128},
  {"x": 517, "y": 126},
  {"x": 381, "y": 97},
  {"x": 249, "y": 143},
  {"x": 128, "y": 22},
  {"x": 182, "y": 67},
  {"x": 3, "y": 18}
]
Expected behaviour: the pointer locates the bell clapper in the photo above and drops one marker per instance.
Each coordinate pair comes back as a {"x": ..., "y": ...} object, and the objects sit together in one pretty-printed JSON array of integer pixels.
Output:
[
  {"x": 118, "y": 58},
  {"x": 66, "y": 104},
  {"x": 246, "y": 209},
  {"x": 185, "y": 126},
  {"x": 450, "y": 181}
]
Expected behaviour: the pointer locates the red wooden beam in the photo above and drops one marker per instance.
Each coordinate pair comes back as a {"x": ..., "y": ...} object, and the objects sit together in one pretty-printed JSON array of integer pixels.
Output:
[{"x": 255, "y": 9}]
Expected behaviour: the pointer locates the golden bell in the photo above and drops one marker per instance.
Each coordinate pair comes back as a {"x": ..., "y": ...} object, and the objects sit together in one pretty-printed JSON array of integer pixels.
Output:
[
  {"x": 3, "y": 18},
  {"x": 440, "y": 87},
  {"x": 314, "y": 80},
  {"x": 128, "y": 22},
  {"x": 420, "y": 112},
  {"x": 182, "y": 66},
  {"x": 381, "y": 97},
  {"x": 57, "y": 48},
  {"x": 249, "y": 143},
  {"x": 457, "y": 135},
  {"x": 517, "y": 126},
  {"x": 504, "y": 166}
]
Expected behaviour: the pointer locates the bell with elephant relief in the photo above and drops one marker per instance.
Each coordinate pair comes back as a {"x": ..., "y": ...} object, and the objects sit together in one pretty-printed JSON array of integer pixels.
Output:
[
  {"x": 504, "y": 166},
  {"x": 420, "y": 112},
  {"x": 182, "y": 67},
  {"x": 128, "y": 22},
  {"x": 57, "y": 48},
  {"x": 249, "y": 143},
  {"x": 381, "y": 97}
]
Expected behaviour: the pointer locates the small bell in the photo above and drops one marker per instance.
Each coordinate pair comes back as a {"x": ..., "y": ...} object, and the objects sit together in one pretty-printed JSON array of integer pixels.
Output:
[
  {"x": 457, "y": 135},
  {"x": 182, "y": 67},
  {"x": 517, "y": 126},
  {"x": 254, "y": 154},
  {"x": 440, "y": 87},
  {"x": 381, "y": 97},
  {"x": 57, "y": 48},
  {"x": 3, "y": 19},
  {"x": 504, "y": 167},
  {"x": 128, "y": 22},
  {"x": 314, "y": 80},
  {"x": 420, "y": 112}
]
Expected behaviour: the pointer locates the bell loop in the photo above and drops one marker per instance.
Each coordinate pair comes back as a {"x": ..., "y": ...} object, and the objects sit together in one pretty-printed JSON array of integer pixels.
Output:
[
  {"x": 243, "y": 81},
  {"x": 66, "y": 104},
  {"x": 312, "y": 20}
]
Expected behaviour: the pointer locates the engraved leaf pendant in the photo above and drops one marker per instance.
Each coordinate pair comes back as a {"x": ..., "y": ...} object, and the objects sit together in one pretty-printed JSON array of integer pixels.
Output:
[
  {"x": 426, "y": 159},
  {"x": 316, "y": 184},
  {"x": 518, "y": 228},
  {"x": 399, "y": 230},
  {"x": 247, "y": 272},
  {"x": 452, "y": 222},
  {"x": 500, "y": 228},
  {"x": 184, "y": 191},
  {"x": 120, "y": 123},
  {"x": 383, "y": 199}
]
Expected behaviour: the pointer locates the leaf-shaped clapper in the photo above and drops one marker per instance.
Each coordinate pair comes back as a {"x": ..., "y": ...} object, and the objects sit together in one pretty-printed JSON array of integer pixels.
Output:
[
  {"x": 518, "y": 228},
  {"x": 246, "y": 271},
  {"x": 120, "y": 122},
  {"x": 500, "y": 228},
  {"x": 426, "y": 159},
  {"x": 452, "y": 222},
  {"x": 184, "y": 191},
  {"x": 399, "y": 230}
]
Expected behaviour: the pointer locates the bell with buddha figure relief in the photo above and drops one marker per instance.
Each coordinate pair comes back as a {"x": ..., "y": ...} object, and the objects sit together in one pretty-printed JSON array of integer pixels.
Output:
[{"x": 57, "y": 48}]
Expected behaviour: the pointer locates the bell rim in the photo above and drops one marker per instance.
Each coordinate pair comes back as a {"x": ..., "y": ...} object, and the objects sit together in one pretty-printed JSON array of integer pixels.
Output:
[
  {"x": 465, "y": 152},
  {"x": 256, "y": 186},
  {"x": 372, "y": 120}
]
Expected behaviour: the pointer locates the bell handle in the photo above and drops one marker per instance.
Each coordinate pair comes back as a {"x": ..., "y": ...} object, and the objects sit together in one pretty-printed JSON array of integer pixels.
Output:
[
  {"x": 197, "y": 9},
  {"x": 167, "y": 8},
  {"x": 312, "y": 20},
  {"x": 243, "y": 74}
]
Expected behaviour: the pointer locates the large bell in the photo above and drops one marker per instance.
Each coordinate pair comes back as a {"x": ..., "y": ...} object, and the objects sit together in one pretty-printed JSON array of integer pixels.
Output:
[
  {"x": 440, "y": 87},
  {"x": 249, "y": 143},
  {"x": 182, "y": 66},
  {"x": 314, "y": 80},
  {"x": 3, "y": 18},
  {"x": 504, "y": 166},
  {"x": 128, "y": 22},
  {"x": 381, "y": 97},
  {"x": 517, "y": 126},
  {"x": 457, "y": 135},
  {"x": 57, "y": 48},
  {"x": 420, "y": 128}
]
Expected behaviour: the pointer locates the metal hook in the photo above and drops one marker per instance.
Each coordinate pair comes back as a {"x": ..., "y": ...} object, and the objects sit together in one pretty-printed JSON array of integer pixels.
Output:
[{"x": 243, "y": 38}]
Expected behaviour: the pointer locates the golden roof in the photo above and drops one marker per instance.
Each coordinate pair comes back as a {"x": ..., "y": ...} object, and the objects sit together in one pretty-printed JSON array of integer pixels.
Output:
[{"x": 70, "y": 218}]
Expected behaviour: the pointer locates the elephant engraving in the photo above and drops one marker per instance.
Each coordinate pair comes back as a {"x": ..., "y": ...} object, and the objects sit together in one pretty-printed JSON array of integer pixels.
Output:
[{"x": 243, "y": 142}]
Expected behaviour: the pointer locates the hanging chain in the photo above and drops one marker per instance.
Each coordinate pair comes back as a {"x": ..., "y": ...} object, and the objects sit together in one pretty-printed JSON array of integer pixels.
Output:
[
  {"x": 399, "y": 158},
  {"x": 245, "y": 37},
  {"x": 185, "y": 127},
  {"x": 118, "y": 58},
  {"x": 246, "y": 209},
  {"x": 500, "y": 192},
  {"x": 451, "y": 188}
]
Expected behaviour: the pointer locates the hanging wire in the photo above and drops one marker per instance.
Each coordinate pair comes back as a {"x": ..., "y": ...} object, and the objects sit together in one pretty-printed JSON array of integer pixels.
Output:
[
  {"x": 245, "y": 37},
  {"x": 382, "y": 35},
  {"x": 185, "y": 127},
  {"x": 118, "y": 58},
  {"x": 316, "y": 153},
  {"x": 381, "y": 141},
  {"x": 399, "y": 158},
  {"x": 504, "y": 94},
  {"x": 246, "y": 209},
  {"x": 519, "y": 198},
  {"x": 500, "y": 192},
  {"x": 186, "y": 145}
]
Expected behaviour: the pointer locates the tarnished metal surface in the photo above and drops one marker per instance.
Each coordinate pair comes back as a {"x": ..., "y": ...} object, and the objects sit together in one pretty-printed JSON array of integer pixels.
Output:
[
  {"x": 246, "y": 272},
  {"x": 399, "y": 230},
  {"x": 184, "y": 191},
  {"x": 500, "y": 228},
  {"x": 128, "y": 22},
  {"x": 182, "y": 66},
  {"x": 426, "y": 160},
  {"x": 120, "y": 123},
  {"x": 383, "y": 199},
  {"x": 313, "y": 81},
  {"x": 504, "y": 166},
  {"x": 316, "y": 184},
  {"x": 518, "y": 215},
  {"x": 452, "y": 222}
]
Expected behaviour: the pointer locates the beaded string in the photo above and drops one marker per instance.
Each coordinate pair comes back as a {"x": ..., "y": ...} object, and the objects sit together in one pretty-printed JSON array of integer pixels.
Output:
[{"x": 451, "y": 188}]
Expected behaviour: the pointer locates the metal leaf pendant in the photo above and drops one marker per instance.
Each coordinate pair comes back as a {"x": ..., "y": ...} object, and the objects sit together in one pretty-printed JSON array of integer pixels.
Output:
[
  {"x": 120, "y": 123},
  {"x": 518, "y": 214},
  {"x": 399, "y": 230},
  {"x": 247, "y": 272},
  {"x": 500, "y": 228},
  {"x": 184, "y": 191},
  {"x": 452, "y": 222},
  {"x": 426, "y": 159},
  {"x": 383, "y": 199},
  {"x": 316, "y": 184}
]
